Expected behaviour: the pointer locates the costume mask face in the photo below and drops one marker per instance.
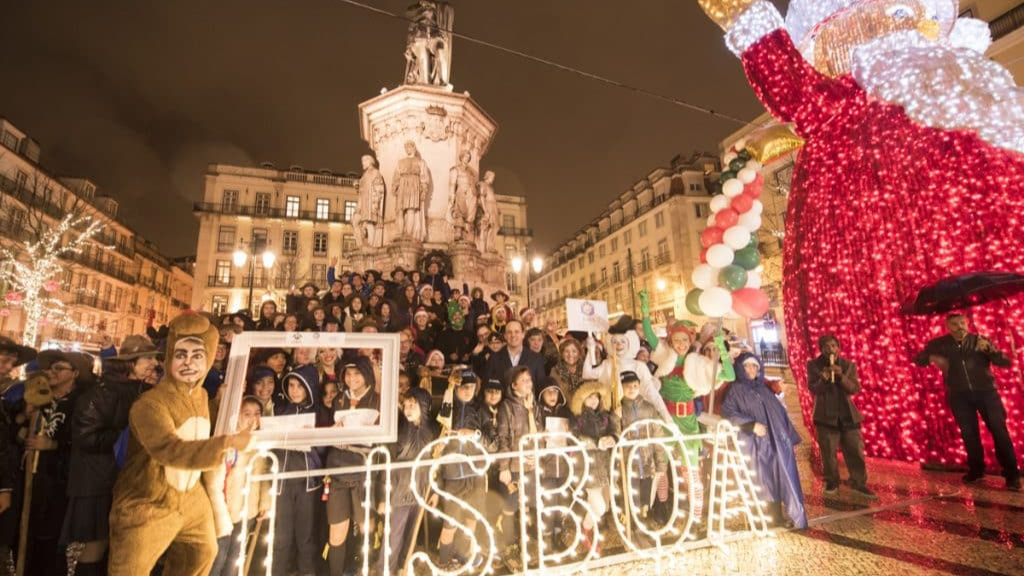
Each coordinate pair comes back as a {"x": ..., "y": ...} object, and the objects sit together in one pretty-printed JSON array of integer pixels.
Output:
[
  {"x": 188, "y": 361},
  {"x": 829, "y": 44}
]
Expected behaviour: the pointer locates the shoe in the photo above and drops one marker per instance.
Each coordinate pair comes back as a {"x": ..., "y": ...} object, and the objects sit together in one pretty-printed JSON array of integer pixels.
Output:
[
  {"x": 1013, "y": 485},
  {"x": 972, "y": 477},
  {"x": 831, "y": 488},
  {"x": 510, "y": 557},
  {"x": 865, "y": 492}
]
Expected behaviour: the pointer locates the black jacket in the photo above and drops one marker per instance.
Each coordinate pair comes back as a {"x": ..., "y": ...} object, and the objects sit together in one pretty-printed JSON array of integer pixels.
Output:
[
  {"x": 969, "y": 370},
  {"x": 500, "y": 362},
  {"x": 100, "y": 416},
  {"x": 465, "y": 416},
  {"x": 832, "y": 404}
]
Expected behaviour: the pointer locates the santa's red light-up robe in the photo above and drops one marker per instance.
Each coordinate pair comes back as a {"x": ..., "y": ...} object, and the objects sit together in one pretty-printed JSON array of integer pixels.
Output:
[{"x": 879, "y": 207}]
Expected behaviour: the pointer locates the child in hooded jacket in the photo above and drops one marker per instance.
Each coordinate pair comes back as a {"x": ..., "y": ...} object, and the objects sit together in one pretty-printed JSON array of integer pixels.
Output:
[
  {"x": 553, "y": 415},
  {"x": 597, "y": 426},
  {"x": 652, "y": 462},
  {"x": 297, "y": 498},
  {"x": 225, "y": 486}
]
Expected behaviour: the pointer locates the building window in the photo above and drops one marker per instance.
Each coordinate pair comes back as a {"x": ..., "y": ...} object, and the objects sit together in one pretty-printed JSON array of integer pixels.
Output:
[
  {"x": 320, "y": 243},
  {"x": 564, "y": 273},
  {"x": 508, "y": 221},
  {"x": 616, "y": 273},
  {"x": 590, "y": 257},
  {"x": 641, "y": 229},
  {"x": 323, "y": 208},
  {"x": 573, "y": 287},
  {"x": 290, "y": 242},
  {"x": 600, "y": 250},
  {"x": 615, "y": 244},
  {"x": 291, "y": 207},
  {"x": 348, "y": 244},
  {"x": 663, "y": 250},
  {"x": 645, "y": 259},
  {"x": 319, "y": 273},
  {"x": 659, "y": 219},
  {"x": 572, "y": 267},
  {"x": 350, "y": 210},
  {"x": 604, "y": 275},
  {"x": 702, "y": 209},
  {"x": 627, "y": 237},
  {"x": 262, "y": 203},
  {"x": 223, "y": 272},
  {"x": 225, "y": 239},
  {"x": 593, "y": 279},
  {"x": 230, "y": 200},
  {"x": 9, "y": 140},
  {"x": 219, "y": 304}
]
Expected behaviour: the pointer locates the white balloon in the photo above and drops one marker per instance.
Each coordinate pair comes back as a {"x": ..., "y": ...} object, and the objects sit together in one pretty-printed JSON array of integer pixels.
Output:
[
  {"x": 732, "y": 188},
  {"x": 719, "y": 256},
  {"x": 736, "y": 238},
  {"x": 753, "y": 165},
  {"x": 715, "y": 302},
  {"x": 719, "y": 202},
  {"x": 704, "y": 277},
  {"x": 750, "y": 221},
  {"x": 757, "y": 207},
  {"x": 753, "y": 279},
  {"x": 746, "y": 175}
]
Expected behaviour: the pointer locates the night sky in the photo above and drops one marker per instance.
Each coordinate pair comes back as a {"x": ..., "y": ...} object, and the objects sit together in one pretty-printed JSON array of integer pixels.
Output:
[{"x": 140, "y": 96}]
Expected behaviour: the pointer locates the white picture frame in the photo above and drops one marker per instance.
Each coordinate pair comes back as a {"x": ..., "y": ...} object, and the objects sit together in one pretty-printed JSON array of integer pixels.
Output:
[{"x": 384, "y": 431}]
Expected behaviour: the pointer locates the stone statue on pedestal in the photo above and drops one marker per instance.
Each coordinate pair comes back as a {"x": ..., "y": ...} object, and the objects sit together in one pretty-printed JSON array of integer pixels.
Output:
[
  {"x": 487, "y": 218},
  {"x": 463, "y": 198},
  {"x": 369, "y": 206},
  {"x": 412, "y": 187},
  {"x": 428, "y": 51}
]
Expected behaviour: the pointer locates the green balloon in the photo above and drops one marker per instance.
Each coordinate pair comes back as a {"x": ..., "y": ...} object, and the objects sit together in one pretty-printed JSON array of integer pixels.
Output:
[
  {"x": 744, "y": 154},
  {"x": 753, "y": 242},
  {"x": 726, "y": 176},
  {"x": 747, "y": 258},
  {"x": 733, "y": 277},
  {"x": 692, "y": 302},
  {"x": 736, "y": 165}
]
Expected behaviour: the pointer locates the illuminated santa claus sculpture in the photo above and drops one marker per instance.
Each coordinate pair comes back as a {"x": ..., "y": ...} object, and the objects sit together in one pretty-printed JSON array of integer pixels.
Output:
[{"x": 912, "y": 172}]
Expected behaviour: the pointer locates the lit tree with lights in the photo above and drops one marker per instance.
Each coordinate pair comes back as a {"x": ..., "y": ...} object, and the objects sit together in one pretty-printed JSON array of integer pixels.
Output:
[{"x": 34, "y": 266}]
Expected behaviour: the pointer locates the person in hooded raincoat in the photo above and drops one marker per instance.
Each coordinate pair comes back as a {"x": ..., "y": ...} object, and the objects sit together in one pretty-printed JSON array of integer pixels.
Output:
[{"x": 768, "y": 438}]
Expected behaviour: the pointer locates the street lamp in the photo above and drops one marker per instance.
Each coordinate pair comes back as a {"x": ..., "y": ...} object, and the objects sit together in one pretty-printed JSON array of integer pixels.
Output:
[
  {"x": 241, "y": 256},
  {"x": 536, "y": 265}
]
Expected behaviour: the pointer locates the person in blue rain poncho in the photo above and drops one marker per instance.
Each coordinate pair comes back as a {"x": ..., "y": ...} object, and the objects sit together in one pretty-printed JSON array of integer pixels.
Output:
[{"x": 768, "y": 438}]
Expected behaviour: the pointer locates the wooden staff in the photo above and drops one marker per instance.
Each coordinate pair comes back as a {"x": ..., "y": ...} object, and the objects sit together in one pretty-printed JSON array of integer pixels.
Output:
[
  {"x": 31, "y": 464},
  {"x": 617, "y": 406},
  {"x": 253, "y": 540}
]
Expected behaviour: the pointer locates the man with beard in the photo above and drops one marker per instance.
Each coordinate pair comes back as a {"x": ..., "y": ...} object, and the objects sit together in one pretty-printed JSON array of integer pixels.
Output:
[
  {"x": 964, "y": 359},
  {"x": 912, "y": 171}
]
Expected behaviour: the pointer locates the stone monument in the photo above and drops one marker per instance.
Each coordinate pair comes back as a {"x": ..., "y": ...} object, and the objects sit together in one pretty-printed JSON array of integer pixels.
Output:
[{"x": 429, "y": 141}]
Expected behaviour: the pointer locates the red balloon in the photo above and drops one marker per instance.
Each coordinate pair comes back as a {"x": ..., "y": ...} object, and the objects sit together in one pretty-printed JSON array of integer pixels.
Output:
[
  {"x": 726, "y": 218},
  {"x": 711, "y": 236},
  {"x": 742, "y": 203},
  {"x": 754, "y": 188},
  {"x": 704, "y": 256},
  {"x": 750, "y": 302}
]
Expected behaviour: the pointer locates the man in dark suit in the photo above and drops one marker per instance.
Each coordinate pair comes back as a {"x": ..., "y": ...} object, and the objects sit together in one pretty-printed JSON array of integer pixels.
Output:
[{"x": 514, "y": 354}]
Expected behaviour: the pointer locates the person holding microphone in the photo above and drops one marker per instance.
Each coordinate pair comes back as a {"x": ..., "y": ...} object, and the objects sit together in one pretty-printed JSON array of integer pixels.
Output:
[
  {"x": 965, "y": 360},
  {"x": 833, "y": 380}
]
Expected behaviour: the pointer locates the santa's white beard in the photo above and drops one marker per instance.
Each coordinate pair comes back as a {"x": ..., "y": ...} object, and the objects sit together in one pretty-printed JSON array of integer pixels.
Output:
[{"x": 943, "y": 87}]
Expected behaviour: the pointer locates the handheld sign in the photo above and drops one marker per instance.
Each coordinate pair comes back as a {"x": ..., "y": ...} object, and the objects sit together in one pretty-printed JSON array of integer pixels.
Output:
[{"x": 587, "y": 315}]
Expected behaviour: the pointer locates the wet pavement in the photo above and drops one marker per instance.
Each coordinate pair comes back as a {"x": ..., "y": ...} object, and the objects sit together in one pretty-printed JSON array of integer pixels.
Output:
[{"x": 923, "y": 522}]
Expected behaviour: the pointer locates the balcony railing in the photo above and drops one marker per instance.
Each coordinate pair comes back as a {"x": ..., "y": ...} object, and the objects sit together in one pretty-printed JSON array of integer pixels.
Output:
[
  {"x": 662, "y": 259},
  {"x": 135, "y": 309},
  {"x": 220, "y": 281},
  {"x": 103, "y": 267},
  {"x": 94, "y": 301},
  {"x": 25, "y": 195},
  {"x": 513, "y": 231},
  {"x": 267, "y": 212},
  {"x": 1007, "y": 23}
]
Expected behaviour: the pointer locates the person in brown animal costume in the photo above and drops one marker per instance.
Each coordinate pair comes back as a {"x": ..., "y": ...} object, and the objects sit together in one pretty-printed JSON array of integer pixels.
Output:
[{"x": 160, "y": 505}]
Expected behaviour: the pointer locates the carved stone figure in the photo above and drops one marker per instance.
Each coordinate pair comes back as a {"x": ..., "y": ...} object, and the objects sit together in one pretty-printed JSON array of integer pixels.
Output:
[
  {"x": 463, "y": 198},
  {"x": 369, "y": 206},
  {"x": 428, "y": 51},
  {"x": 412, "y": 187},
  {"x": 487, "y": 220}
]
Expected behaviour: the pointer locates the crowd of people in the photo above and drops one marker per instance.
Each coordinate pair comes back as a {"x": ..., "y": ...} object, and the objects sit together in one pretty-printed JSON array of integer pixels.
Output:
[{"x": 107, "y": 463}]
